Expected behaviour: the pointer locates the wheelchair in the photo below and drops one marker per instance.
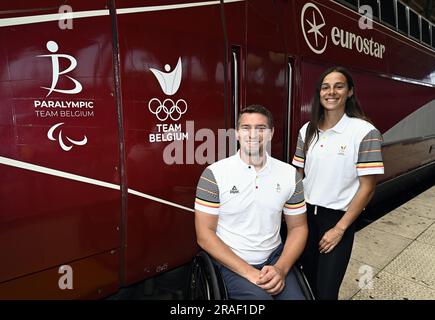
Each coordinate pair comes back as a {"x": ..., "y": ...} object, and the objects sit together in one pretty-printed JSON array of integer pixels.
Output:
[{"x": 206, "y": 282}]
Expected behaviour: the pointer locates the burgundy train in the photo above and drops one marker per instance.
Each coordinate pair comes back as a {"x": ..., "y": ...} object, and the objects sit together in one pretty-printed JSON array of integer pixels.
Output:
[{"x": 96, "y": 96}]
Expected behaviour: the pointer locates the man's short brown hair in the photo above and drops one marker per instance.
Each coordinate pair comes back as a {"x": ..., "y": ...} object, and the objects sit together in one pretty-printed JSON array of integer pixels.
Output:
[{"x": 256, "y": 108}]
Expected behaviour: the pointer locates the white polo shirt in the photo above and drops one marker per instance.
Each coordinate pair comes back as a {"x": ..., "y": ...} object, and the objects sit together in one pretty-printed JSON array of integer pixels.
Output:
[
  {"x": 250, "y": 203},
  {"x": 350, "y": 149}
]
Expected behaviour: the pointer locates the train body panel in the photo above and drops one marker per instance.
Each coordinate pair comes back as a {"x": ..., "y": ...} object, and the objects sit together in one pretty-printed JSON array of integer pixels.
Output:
[
  {"x": 57, "y": 133},
  {"x": 105, "y": 127},
  {"x": 156, "y": 108}
]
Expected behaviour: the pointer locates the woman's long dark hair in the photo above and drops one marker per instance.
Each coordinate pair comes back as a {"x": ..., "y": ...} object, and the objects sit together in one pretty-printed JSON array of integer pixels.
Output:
[{"x": 352, "y": 109}]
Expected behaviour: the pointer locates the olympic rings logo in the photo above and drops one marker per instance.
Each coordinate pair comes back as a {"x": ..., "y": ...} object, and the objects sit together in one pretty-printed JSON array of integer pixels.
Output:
[{"x": 164, "y": 110}]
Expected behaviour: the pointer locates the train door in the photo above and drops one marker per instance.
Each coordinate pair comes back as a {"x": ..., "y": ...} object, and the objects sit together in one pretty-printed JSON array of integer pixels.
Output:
[
  {"x": 234, "y": 23},
  {"x": 266, "y": 74},
  {"x": 172, "y": 63}
]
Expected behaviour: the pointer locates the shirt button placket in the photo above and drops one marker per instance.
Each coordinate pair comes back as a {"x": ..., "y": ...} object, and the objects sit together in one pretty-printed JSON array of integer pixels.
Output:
[{"x": 322, "y": 142}]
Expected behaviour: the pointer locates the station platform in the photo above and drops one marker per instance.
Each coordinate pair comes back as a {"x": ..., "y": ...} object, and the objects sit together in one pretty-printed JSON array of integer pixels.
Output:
[{"x": 393, "y": 258}]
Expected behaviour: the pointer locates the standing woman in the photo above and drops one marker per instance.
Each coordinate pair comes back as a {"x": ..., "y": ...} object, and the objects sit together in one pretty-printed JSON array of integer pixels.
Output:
[{"x": 339, "y": 151}]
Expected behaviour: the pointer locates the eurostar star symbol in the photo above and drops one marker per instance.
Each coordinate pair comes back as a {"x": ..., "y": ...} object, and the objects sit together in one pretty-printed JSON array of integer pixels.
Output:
[
  {"x": 314, "y": 18},
  {"x": 315, "y": 28}
]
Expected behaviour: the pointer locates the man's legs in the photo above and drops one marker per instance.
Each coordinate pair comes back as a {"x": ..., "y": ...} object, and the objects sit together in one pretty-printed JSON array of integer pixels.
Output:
[
  {"x": 241, "y": 288},
  {"x": 292, "y": 289}
]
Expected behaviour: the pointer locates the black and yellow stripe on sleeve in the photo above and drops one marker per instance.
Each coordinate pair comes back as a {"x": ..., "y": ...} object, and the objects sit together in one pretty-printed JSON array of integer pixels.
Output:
[
  {"x": 299, "y": 157},
  {"x": 296, "y": 203},
  {"x": 207, "y": 191},
  {"x": 370, "y": 154}
]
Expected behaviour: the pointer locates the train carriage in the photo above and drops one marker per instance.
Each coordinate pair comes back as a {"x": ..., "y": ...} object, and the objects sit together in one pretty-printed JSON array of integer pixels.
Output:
[{"x": 110, "y": 110}]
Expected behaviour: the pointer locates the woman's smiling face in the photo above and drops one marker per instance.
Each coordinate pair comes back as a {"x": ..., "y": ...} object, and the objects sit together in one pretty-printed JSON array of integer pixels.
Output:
[{"x": 334, "y": 92}]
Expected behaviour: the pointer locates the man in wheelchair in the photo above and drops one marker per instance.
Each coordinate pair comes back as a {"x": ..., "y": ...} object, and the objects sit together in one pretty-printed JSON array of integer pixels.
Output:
[{"x": 238, "y": 211}]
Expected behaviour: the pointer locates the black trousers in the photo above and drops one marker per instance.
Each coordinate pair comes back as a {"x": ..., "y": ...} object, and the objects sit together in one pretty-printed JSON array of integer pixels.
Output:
[{"x": 325, "y": 271}]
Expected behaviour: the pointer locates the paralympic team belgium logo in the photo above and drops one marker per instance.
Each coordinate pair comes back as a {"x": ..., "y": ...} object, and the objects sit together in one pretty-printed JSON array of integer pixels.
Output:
[{"x": 170, "y": 83}]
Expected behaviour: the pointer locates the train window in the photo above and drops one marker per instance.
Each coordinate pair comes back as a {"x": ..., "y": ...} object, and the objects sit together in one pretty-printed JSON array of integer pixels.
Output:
[
  {"x": 374, "y": 4},
  {"x": 414, "y": 25},
  {"x": 425, "y": 31},
  {"x": 433, "y": 36},
  {"x": 388, "y": 12},
  {"x": 402, "y": 18},
  {"x": 349, "y": 3}
]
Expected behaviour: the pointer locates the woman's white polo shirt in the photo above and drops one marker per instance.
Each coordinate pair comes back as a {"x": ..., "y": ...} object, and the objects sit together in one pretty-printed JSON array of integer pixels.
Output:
[{"x": 350, "y": 149}]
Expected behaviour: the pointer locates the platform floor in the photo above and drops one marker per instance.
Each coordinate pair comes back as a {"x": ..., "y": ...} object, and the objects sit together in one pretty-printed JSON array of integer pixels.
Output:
[{"x": 393, "y": 258}]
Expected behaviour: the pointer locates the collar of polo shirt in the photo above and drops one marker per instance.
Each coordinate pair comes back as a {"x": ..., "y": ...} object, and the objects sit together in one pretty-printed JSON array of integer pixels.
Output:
[
  {"x": 266, "y": 168},
  {"x": 341, "y": 125}
]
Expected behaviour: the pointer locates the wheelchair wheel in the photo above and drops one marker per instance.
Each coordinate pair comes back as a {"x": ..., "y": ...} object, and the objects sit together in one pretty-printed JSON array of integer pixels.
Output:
[
  {"x": 205, "y": 281},
  {"x": 303, "y": 282}
]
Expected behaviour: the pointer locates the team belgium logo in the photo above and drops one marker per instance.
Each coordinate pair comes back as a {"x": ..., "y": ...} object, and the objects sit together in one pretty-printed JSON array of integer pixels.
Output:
[
  {"x": 342, "y": 150},
  {"x": 170, "y": 83}
]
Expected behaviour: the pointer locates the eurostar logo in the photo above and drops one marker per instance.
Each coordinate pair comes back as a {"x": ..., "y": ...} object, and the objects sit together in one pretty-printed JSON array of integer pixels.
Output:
[{"x": 312, "y": 22}]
